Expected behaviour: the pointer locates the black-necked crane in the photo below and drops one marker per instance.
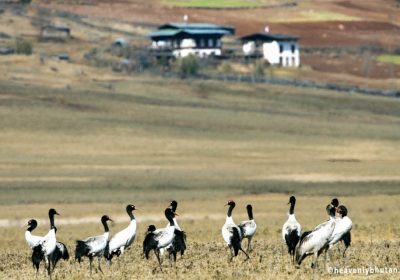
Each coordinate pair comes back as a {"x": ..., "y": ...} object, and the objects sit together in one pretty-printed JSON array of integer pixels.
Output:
[
  {"x": 291, "y": 230},
  {"x": 342, "y": 230},
  {"x": 160, "y": 238},
  {"x": 231, "y": 233},
  {"x": 46, "y": 246},
  {"x": 179, "y": 243},
  {"x": 60, "y": 252},
  {"x": 248, "y": 228},
  {"x": 317, "y": 240},
  {"x": 344, "y": 226},
  {"x": 148, "y": 239},
  {"x": 123, "y": 239},
  {"x": 93, "y": 246}
]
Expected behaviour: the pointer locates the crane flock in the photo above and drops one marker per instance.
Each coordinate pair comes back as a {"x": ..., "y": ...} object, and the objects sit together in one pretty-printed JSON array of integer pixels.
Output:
[{"x": 171, "y": 239}]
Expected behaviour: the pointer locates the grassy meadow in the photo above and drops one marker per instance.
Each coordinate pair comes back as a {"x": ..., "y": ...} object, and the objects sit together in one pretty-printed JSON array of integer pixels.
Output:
[
  {"x": 394, "y": 59},
  {"x": 88, "y": 142}
]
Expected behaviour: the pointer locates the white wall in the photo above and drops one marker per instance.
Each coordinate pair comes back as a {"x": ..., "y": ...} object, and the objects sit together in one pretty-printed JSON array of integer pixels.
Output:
[
  {"x": 194, "y": 51},
  {"x": 188, "y": 46},
  {"x": 281, "y": 53}
]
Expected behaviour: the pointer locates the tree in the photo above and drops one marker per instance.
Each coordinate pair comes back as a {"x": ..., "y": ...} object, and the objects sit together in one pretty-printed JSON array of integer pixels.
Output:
[
  {"x": 188, "y": 66},
  {"x": 258, "y": 70},
  {"x": 23, "y": 46},
  {"x": 226, "y": 69}
]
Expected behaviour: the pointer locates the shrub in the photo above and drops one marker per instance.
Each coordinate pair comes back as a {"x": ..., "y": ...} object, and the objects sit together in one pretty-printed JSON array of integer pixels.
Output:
[
  {"x": 25, "y": 2},
  {"x": 188, "y": 66},
  {"x": 23, "y": 47},
  {"x": 226, "y": 68},
  {"x": 258, "y": 70}
]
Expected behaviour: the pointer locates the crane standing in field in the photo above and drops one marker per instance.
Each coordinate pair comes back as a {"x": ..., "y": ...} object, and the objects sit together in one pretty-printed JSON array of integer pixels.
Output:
[
  {"x": 344, "y": 226},
  {"x": 157, "y": 239},
  {"x": 93, "y": 246},
  {"x": 46, "y": 246},
  {"x": 317, "y": 240},
  {"x": 60, "y": 252},
  {"x": 123, "y": 239},
  {"x": 179, "y": 243},
  {"x": 291, "y": 230},
  {"x": 231, "y": 233},
  {"x": 248, "y": 228}
]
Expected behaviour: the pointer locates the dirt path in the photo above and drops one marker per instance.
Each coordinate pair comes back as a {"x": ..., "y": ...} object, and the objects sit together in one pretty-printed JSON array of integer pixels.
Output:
[{"x": 8, "y": 223}]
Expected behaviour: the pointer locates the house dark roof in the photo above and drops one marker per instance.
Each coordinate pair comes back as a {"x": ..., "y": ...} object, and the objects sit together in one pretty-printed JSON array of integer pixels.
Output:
[
  {"x": 198, "y": 26},
  {"x": 187, "y": 32},
  {"x": 267, "y": 37},
  {"x": 183, "y": 30}
]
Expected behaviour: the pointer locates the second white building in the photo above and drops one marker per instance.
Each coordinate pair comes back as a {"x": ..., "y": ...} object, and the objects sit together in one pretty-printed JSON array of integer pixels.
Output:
[{"x": 277, "y": 49}]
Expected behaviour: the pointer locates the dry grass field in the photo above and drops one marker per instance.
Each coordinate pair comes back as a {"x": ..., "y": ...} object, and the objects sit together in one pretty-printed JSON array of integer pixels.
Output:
[{"x": 375, "y": 238}]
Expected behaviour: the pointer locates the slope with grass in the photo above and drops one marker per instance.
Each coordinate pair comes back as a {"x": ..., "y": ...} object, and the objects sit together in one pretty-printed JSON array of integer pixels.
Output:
[{"x": 91, "y": 142}]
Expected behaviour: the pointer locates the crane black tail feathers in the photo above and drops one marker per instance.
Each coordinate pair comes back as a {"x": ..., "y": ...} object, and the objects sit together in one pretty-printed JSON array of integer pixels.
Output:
[
  {"x": 179, "y": 243},
  {"x": 149, "y": 244},
  {"x": 304, "y": 235},
  {"x": 347, "y": 239},
  {"x": 63, "y": 250},
  {"x": 291, "y": 241},
  {"x": 37, "y": 256},
  {"x": 60, "y": 252},
  {"x": 109, "y": 255},
  {"x": 81, "y": 250},
  {"x": 235, "y": 241}
]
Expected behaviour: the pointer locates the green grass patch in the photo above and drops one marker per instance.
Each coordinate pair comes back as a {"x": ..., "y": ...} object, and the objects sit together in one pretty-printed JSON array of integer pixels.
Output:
[
  {"x": 180, "y": 188},
  {"x": 389, "y": 58}
]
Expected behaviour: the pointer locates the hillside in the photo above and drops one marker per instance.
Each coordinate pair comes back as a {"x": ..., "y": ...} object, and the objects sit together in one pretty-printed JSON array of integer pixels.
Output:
[
  {"x": 338, "y": 38},
  {"x": 150, "y": 134}
]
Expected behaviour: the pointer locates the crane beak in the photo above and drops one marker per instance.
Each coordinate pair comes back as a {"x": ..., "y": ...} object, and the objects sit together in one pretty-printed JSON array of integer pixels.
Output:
[{"x": 176, "y": 214}]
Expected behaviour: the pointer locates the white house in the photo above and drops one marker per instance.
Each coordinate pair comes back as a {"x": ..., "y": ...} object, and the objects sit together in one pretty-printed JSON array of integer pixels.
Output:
[
  {"x": 277, "y": 49},
  {"x": 182, "y": 39}
]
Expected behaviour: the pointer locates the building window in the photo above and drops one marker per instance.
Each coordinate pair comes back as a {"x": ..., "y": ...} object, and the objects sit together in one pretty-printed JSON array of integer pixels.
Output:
[
  {"x": 210, "y": 43},
  {"x": 281, "y": 61},
  {"x": 281, "y": 48},
  {"x": 294, "y": 61},
  {"x": 293, "y": 48},
  {"x": 202, "y": 43}
]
